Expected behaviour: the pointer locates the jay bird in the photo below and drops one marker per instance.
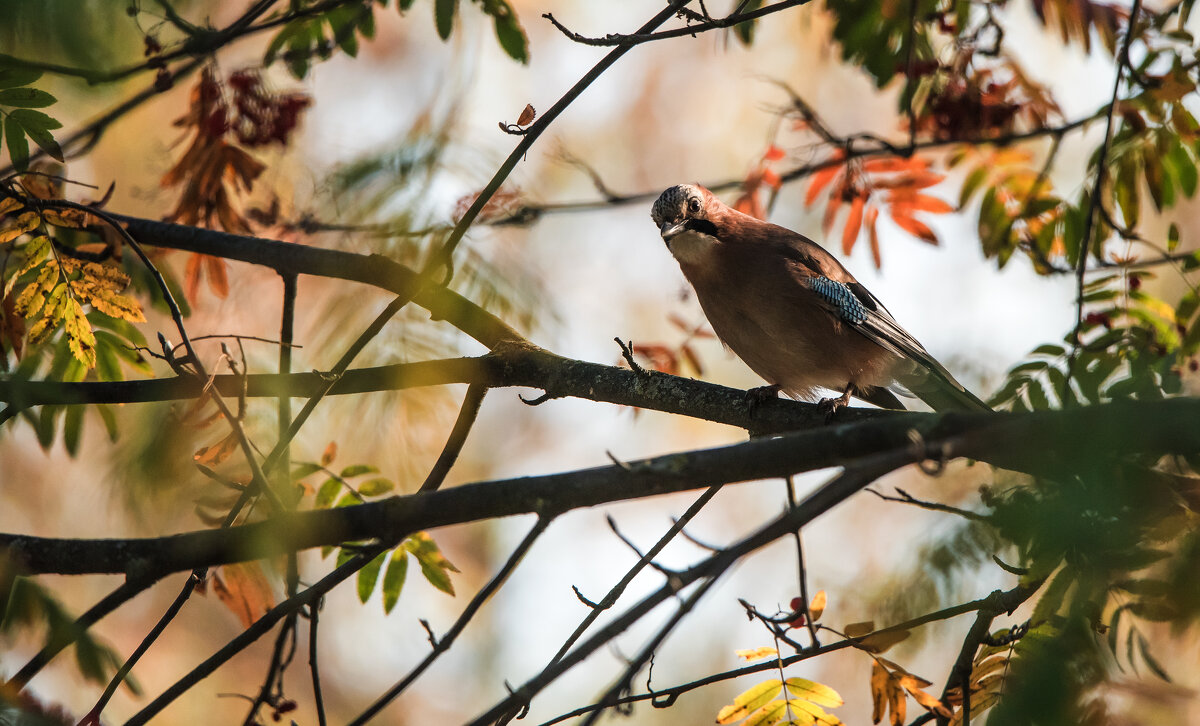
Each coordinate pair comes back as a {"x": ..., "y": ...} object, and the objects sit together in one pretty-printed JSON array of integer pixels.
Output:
[{"x": 792, "y": 313}]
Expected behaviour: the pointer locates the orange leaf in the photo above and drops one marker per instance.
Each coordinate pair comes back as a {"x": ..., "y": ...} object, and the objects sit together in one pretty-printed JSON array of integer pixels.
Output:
[
  {"x": 329, "y": 454},
  {"x": 771, "y": 179},
  {"x": 873, "y": 235},
  {"x": 853, "y": 225},
  {"x": 774, "y": 153},
  {"x": 914, "y": 227},
  {"x": 749, "y": 203},
  {"x": 831, "y": 209},
  {"x": 191, "y": 276},
  {"x": 245, "y": 591},
  {"x": 911, "y": 201},
  {"x": 892, "y": 164},
  {"x": 822, "y": 179},
  {"x": 218, "y": 280}
]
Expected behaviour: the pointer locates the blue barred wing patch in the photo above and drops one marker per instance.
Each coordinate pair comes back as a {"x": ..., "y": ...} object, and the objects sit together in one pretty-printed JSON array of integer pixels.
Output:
[{"x": 838, "y": 294}]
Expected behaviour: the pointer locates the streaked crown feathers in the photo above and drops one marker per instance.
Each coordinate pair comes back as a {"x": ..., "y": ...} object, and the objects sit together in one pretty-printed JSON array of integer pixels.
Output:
[{"x": 673, "y": 204}]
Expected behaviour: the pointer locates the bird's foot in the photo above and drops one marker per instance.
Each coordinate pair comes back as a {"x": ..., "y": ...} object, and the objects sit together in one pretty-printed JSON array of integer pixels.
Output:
[
  {"x": 830, "y": 406},
  {"x": 756, "y": 397}
]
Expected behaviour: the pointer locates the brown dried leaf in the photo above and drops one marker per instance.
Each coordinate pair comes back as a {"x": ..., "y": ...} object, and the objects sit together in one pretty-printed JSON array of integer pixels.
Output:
[
  {"x": 216, "y": 453},
  {"x": 527, "y": 116},
  {"x": 245, "y": 591},
  {"x": 329, "y": 454}
]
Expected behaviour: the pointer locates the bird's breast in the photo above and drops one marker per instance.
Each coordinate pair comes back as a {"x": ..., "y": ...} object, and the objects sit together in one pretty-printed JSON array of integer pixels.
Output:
[{"x": 693, "y": 248}]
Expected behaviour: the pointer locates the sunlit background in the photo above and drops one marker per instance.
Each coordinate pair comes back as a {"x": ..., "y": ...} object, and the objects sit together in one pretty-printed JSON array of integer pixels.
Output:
[{"x": 701, "y": 109}]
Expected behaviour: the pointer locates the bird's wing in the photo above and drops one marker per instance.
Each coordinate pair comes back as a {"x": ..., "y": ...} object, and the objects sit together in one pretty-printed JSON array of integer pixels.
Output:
[{"x": 928, "y": 379}]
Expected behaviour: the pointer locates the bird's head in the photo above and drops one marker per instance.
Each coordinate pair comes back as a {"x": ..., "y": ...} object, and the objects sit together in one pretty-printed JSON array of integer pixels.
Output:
[{"x": 684, "y": 208}]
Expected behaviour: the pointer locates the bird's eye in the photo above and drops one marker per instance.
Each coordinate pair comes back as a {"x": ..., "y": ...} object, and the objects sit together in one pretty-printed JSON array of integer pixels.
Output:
[{"x": 694, "y": 205}]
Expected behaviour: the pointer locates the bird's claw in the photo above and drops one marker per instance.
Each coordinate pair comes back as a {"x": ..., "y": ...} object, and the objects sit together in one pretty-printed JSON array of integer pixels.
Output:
[
  {"x": 756, "y": 397},
  {"x": 830, "y": 406}
]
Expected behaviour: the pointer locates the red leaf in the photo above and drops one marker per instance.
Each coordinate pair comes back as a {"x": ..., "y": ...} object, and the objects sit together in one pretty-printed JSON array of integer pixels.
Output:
[
  {"x": 771, "y": 179},
  {"x": 774, "y": 153},
  {"x": 831, "y": 208},
  {"x": 853, "y": 225}
]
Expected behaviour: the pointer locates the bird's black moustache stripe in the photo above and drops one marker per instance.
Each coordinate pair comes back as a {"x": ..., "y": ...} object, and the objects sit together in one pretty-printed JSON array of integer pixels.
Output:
[{"x": 703, "y": 226}]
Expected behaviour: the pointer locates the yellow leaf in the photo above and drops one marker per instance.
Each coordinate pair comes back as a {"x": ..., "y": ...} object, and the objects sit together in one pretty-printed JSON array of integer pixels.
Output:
[
  {"x": 756, "y": 653},
  {"x": 35, "y": 252},
  {"x": 9, "y": 204},
  {"x": 817, "y": 606},
  {"x": 72, "y": 218},
  {"x": 749, "y": 701},
  {"x": 812, "y": 713},
  {"x": 768, "y": 715},
  {"x": 818, "y": 693},
  {"x": 24, "y": 223},
  {"x": 80, "y": 339},
  {"x": 897, "y": 703},
  {"x": 858, "y": 630}
]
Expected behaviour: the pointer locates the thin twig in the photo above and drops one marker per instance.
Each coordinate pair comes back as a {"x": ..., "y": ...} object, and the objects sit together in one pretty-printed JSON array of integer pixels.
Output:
[
  {"x": 447, "y": 640},
  {"x": 458, "y": 437}
]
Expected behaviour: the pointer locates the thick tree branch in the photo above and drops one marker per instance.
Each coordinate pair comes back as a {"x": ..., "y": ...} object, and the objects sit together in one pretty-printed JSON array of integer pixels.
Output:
[{"x": 1045, "y": 442}]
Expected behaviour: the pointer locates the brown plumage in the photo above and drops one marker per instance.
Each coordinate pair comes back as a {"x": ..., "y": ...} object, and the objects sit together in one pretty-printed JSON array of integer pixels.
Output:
[{"x": 792, "y": 312}]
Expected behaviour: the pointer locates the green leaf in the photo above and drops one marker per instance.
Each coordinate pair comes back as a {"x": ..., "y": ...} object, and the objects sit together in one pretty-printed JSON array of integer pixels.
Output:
[
  {"x": 745, "y": 30},
  {"x": 443, "y": 14},
  {"x": 13, "y": 77},
  {"x": 368, "y": 576},
  {"x": 510, "y": 33},
  {"x": 304, "y": 469},
  {"x": 110, "y": 421},
  {"x": 358, "y": 470},
  {"x": 375, "y": 487},
  {"x": 72, "y": 428},
  {"x": 404, "y": 5},
  {"x": 18, "y": 145},
  {"x": 393, "y": 579},
  {"x": 38, "y": 125},
  {"x": 1173, "y": 237},
  {"x": 434, "y": 566},
  {"x": 971, "y": 184},
  {"x": 26, "y": 98},
  {"x": 327, "y": 493}
]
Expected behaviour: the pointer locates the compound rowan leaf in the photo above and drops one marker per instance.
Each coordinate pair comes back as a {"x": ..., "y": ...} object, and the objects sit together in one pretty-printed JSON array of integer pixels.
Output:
[
  {"x": 749, "y": 701},
  {"x": 80, "y": 338},
  {"x": 26, "y": 98}
]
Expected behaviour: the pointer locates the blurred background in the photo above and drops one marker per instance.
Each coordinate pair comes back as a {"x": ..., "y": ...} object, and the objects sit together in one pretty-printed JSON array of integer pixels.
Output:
[{"x": 401, "y": 135}]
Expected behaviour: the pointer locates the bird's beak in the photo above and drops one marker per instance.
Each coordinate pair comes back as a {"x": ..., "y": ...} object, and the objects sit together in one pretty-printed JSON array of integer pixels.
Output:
[{"x": 670, "y": 229}]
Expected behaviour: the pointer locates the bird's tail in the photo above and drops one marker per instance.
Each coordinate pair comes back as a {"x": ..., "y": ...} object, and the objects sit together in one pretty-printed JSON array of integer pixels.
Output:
[{"x": 939, "y": 390}]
